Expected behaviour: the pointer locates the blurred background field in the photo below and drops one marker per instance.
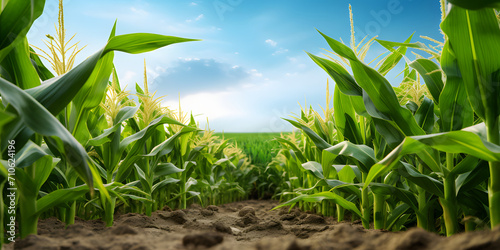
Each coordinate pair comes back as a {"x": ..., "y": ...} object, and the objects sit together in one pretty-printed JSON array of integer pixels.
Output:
[{"x": 260, "y": 147}]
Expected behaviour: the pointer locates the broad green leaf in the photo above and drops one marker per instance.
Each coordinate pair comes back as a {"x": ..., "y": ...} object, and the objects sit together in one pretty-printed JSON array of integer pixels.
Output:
[
  {"x": 391, "y": 133},
  {"x": 124, "y": 114},
  {"x": 60, "y": 196},
  {"x": 474, "y": 5},
  {"x": 404, "y": 195},
  {"x": 142, "y": 42},
  {"x": 320, "y": 143},
  {"x": 431, "y": 73},
  {"x": 344, "y": 81},
  {"x": 425, "y": 115},
  {"x": 16, "y": 19},
  {"x": 361, "y": 153},
  {"x": 473, "y": 36},
  {"x": 163, "y": 183},
  {"x": 471, "y": 140},
  {"x": 40, "y": 68},
  {"x": 56, "y": 93},
  {"x": 294, "y": 147},
  {"x": 396, "y": 214},
  {"x": 426, "y": 182},
  {"x": 37, "y": 118},
  {"x": 468, "y": 181},
  {"x": 393, "y": 59},
  {"x": 455, "y": 108},
  {"x": 466, "y": 165},
  {"x": 164, "y": 169},
  {"x": 323, "y": 196},
  {"x": 29, "y": 154},
  {"x": 18, "y": 65},
  {"x": 379, "y": 90},
  {"x": 315, "y": 168}
]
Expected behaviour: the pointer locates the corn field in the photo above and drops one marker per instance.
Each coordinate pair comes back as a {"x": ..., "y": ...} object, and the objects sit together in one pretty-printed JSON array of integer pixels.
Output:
[{"x": 75, "y": 144}]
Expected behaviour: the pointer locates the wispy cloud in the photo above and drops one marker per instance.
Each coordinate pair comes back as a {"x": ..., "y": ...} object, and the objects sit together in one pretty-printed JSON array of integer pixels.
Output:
[
  {"x": 139, "y": 11},
  {"x": 193, "y": 4},
  {"x": 271, "y": 42},
  {"x": 198, "y": 18},
  {"x": 280, "y": 51}
]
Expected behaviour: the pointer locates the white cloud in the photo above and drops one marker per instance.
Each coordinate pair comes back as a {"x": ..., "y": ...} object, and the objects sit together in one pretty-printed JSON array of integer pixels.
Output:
[
  {"x": 280, "y": 51},
  {"x": 255, "y": 73},
  {"x": 139, "y": 11},
  {"x": 271, "y": 42},
  {"x": 198, "y": 18},
  {"x": 193, "y": 4},
  {"x": 211, "y": 105}
]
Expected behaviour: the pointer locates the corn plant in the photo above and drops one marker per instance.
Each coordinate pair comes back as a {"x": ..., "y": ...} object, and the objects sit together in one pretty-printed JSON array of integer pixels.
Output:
[
  {"x": 424, "y": 173},
  {"x": 35, "y": 135}
]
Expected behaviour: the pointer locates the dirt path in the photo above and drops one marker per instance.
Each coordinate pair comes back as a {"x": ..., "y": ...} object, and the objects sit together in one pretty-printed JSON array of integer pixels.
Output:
[{"x": 240, "y": 225}]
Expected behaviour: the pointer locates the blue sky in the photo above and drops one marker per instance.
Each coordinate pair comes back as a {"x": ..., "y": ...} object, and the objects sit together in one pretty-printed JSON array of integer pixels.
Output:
[{"x": 251, "y": 68}]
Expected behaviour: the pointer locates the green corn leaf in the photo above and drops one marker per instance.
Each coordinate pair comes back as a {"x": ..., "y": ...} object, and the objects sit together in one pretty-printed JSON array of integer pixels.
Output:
[
  {"x": 38, "y": 119},
  {"x": 432, "y": 76},
  {"x": 164, "y": 169},
  {"x": 425, "y": 115},
  {"x": 361, "y": 153},
  {"x": 393, "y": 59},
  {"x": 404, "y": 195},
  {"x": 470, "y": 33},
  {"x": 343, "y": 172},
  {"x": 396, "y": 214},
  {"x": 294, "y": 147},
  {"x": 470, "y": 180},
  {"x": 378, "y": 89},
  {"x": 29, "y": 154},
  {"x": 318, "y": 141},
  {"x": 16, "y": 19},
  {"x": 323, "y": 196},
  {"x": 456, "y": 110},
  {"x": 426, "y": 182},
  {"x": 163, "y": 183},
  {"x": 18, "y": 65},
  {"x": 466, "y": 165},
  {"x": 389, "y": 131},
  {"x": 342, "y": 78},
  {"x": 124, "y": 114},
  {"x": 60, "y": 196},
  {"x": 40, "y": 68},
  {"x": 471, "y": 140},
  {"x": 56, "y": 93},
  {"x": 315, "y": 168},
  {"x": 142, "y": 42},
  {"x": 474, "y": 5}
]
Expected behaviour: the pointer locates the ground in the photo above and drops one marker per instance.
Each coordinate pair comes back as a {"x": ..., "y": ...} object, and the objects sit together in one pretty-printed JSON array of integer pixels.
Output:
[{"x": 240, "y": 225}]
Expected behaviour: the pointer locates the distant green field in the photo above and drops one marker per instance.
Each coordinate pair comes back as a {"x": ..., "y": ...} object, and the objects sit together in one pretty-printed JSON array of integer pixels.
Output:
[{"x": 258, "y": 146}]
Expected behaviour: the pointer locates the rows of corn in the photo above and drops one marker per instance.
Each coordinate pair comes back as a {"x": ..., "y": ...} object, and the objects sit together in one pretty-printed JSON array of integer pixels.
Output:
[
  {"x": 425, "y": 153},
  {"x": 76, "y": 144}
]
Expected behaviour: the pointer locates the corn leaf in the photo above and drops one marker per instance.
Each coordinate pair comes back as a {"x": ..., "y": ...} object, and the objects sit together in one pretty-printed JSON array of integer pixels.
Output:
[
  {"x": 474, "y": 5},
  {"x": 473, "y": 37},
  {"x": 16, "y": 19},
  {"x": 37, "y": 118}
]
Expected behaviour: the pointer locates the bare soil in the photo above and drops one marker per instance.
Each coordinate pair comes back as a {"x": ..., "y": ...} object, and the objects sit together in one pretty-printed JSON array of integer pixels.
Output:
[{"x": 241, "y": 226}]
